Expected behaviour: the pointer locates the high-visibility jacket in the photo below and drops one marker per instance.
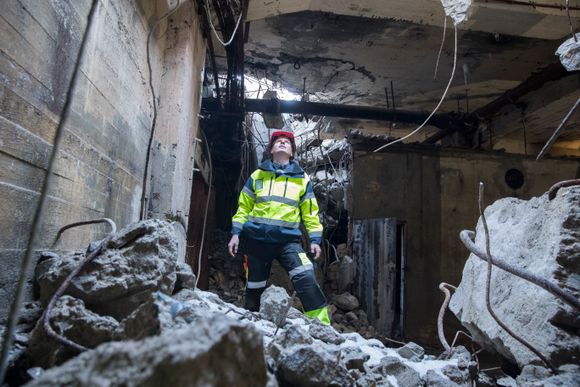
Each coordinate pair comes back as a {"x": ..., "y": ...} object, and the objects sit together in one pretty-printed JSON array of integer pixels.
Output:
[{"x": 273, "y": 203}]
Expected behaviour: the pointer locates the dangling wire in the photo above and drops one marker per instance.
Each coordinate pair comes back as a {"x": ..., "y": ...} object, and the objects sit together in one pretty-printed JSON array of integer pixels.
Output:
[
  {"x": 206, "y": 7},
  {"x": 440, "y": 101},
  {"x": 440, "y": 47}
]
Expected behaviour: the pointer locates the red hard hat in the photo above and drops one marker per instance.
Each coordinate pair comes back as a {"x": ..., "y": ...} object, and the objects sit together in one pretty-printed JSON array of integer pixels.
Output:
[{"x": 283, "y": 133}]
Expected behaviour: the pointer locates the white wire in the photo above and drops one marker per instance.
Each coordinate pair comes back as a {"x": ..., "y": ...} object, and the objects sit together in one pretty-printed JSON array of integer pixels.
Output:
[
  {"x": 436, "y": 107},
  {"x": 206, "y": 211},
  {"x": 206, "y": 6},
  {"x": 440, "y": 47}
]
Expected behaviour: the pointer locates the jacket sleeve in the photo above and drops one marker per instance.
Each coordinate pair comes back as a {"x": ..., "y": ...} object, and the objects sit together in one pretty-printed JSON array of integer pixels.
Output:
[
  {"x": 245, "y": 206},
  {"x": 309, "y": 212}
]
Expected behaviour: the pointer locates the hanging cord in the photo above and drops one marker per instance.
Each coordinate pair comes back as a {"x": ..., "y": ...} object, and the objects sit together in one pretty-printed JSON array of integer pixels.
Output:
[
  {"x": 488, "y": 288},
  {"x": 440, "y": 47},
  {"x": 36, "y": 222},
  {"x": 440, "y": 101},
  {"x": 206, "y": 210},
  {"x": 570, "y": 22},
  {"x": 154, "y": 120},
  {"x": 206, "y": 6}
]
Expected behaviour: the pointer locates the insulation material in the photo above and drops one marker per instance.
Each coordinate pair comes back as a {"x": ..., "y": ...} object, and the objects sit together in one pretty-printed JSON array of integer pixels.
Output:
[
  {"x": 458, "y": 10},
  {"x": 569, "y": 53}
]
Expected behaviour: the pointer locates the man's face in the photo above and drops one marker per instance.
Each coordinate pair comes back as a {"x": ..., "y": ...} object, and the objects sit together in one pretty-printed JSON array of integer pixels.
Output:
[{"x": 282, "y": 144}]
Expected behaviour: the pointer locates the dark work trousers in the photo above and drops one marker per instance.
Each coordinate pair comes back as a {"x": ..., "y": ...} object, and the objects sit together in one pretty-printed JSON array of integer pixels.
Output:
[{"x": 293, "y": 259}]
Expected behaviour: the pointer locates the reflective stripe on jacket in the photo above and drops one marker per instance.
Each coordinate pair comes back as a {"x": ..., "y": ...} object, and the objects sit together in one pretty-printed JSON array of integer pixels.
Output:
[{"x": 274, "y": 202}]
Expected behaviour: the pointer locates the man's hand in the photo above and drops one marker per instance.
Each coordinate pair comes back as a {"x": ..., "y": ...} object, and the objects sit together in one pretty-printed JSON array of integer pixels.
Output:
[
  {"x": 233, "y": 245},
  {"x": 314, "y": 249}
]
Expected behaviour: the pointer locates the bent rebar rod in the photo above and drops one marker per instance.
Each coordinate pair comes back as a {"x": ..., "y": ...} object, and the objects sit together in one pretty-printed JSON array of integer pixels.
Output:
[
  {"x": 488, "y": 289},
  {"x": 443, "y": 288},
  {"x": 553, "y": 191},
  {"x": 467, "y": 236},
  {"x": 77, "y": 224},
  {"x": 62, "y": 288}
]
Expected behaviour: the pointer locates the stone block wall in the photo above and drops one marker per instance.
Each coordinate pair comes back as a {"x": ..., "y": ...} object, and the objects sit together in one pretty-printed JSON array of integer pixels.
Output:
[{"x": 100, "y": 167}]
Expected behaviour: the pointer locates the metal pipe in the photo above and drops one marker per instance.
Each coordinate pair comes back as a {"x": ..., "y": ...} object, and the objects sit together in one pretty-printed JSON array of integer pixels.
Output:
[{"x": 556, "y": 133}]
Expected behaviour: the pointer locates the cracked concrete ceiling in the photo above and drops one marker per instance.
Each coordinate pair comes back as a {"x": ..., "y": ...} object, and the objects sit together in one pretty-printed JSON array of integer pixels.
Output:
[{"x": 349, "y": 52}]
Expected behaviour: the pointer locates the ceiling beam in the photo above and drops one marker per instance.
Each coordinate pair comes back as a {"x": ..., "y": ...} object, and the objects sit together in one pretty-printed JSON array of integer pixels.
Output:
[{"x": 277, "y": 106}]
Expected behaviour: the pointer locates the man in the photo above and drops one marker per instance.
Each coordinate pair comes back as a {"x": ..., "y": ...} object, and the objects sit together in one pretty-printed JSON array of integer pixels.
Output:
[{"x": 272, "y": 204}]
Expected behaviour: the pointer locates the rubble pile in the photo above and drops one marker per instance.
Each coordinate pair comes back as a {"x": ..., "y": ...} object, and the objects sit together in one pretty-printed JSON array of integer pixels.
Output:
[
  {"x": 328, "y": 166},
  {"x": 541, "y": 236}
]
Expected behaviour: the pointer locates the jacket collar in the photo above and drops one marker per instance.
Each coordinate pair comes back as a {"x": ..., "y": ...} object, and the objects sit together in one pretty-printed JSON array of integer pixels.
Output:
[{"x": 292, "y": 169}]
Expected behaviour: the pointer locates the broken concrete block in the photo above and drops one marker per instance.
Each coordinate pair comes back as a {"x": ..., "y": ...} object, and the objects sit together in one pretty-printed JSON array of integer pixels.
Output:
[
  {"x": 140, "y": 261},
  {"x": 345, "y": 301},
  {"x": 533, "y": 235},
  {"x": 569, "y": 53},
  {"x": 346, "y": 273},
  {"x": 274, "y": 305},
  {"x": 158, "y": 314},
  {"x": 308, "y": 365},
  {"x": 184, "y": 277},
  {"x": 458, "y": 10},
  {"x": 71, "y": 319},
  {"x": 325, "y": 333},
  {"x": 411, "y": 351},
  {"x": 212, "y": 352},
  {"x": 405, "y": 375},
  {"x": 353, "y": 358}
]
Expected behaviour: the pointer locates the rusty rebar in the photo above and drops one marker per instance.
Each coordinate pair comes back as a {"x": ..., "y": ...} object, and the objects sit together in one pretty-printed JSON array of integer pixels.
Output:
[
  {"x": 443, "y": 287},
  {"x": 488, "y": 288},
  {"x": 83, "y": 223},
  {"x": 62, "y": 288},
  {"x": 467, "y": 236},
  {"x": 566, "y": 183},
  {"x": 556, "y": 133}
]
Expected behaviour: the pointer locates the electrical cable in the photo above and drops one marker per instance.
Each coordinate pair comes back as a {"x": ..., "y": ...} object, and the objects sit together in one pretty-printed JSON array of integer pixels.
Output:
[
  {"x": 206, "y": 211},
  {"x": 440, "y": 47},
  {"x": 154, "y": 119},
  {"x": 206, "y": 7},
  {"x": 36, "y": 221},
  {"x": 436, "y": 107}
]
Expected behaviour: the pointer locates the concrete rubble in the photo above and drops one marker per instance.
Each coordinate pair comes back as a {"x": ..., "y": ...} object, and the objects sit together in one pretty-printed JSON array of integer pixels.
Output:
[
  {"x": 186, "y": 336},
  {"x": 569, "y": 53},
  {"x": 540, "y": 236}
]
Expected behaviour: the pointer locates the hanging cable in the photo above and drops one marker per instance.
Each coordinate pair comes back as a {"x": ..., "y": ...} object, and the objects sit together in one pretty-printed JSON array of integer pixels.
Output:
[
  {"x": 206, "y": 210},
  {"x": 154, "y": 119},
  {"x": 440, "y": 47},
  {"x": 440, "y": 101},
  {"x": 36, "y": 221},
  {"x": 206, "y": 7}
]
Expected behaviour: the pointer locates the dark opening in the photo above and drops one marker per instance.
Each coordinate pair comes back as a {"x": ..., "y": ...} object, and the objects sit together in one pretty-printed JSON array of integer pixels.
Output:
[{"x": 514, "y": 178}]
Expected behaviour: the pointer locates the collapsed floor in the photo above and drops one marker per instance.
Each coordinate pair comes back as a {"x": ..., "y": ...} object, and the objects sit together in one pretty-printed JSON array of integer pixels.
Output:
[{"x": 137, "y": 312}]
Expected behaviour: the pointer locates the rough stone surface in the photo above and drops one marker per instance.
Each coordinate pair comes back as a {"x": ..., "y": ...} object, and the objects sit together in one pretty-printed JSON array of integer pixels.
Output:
[
  {"x": 212, "y": 352},
  {"x": 325, "y": 333},
  {"x": 72, "y": 320},
  {"x": 346, "y": 273},
  {"x": 536, "y": 376},
  {"x": 434, "y": 379},
  {"x": 185, "y": 279},
  {"x": 411, "y": 351},
  {"x": 458, "y": 10},
  {"x": 274, "y": 305},
  {"x": 405, "y": 375},
  {"x": 159, "y": 314},
  {"x": 116, "y": 282},
  {"x": 353, "y": 358},
  {"x": 569, "y": 54},
  {"x": 540, "y": 236},
  {"x": 311, "y": 366},
  {"x": 345, "y": 301}
]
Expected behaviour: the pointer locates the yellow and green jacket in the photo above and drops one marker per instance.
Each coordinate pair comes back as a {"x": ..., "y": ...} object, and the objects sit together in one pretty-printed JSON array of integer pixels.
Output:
[{"x": 273, "y": 203}]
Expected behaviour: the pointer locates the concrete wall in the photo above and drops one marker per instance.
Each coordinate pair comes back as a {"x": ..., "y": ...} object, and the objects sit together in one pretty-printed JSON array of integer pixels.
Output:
[
  {"x": 435, "y": 194},
  {"x": 99, "y": 169}
]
